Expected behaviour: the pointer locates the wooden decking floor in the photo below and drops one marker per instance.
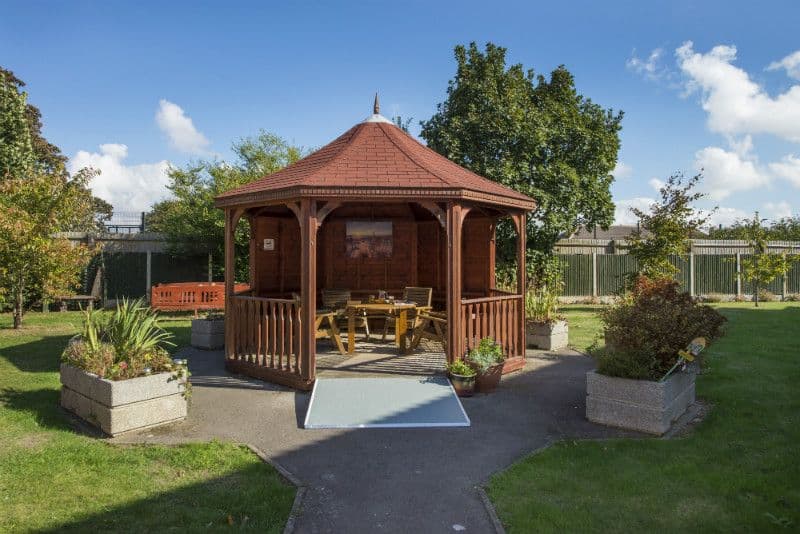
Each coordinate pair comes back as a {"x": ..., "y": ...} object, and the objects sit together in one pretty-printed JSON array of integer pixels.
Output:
[{"x": 373, "y": 358}]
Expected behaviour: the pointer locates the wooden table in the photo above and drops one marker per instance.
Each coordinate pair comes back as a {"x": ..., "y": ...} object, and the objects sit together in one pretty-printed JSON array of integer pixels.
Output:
[{"x": 400, "y": 309}]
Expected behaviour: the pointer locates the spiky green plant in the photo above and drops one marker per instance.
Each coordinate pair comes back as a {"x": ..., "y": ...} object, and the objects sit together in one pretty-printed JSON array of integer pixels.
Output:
[
  {"x": 133, "y": 329},
  {"x": 541, "y": 304}
]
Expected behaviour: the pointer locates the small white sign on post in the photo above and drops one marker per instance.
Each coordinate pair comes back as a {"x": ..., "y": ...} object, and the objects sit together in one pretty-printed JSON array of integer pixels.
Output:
[{"x": 269, "y": 244}]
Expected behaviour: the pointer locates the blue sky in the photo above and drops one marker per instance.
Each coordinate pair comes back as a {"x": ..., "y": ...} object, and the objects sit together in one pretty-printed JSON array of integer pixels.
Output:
[{"x": 131, "y": 87}]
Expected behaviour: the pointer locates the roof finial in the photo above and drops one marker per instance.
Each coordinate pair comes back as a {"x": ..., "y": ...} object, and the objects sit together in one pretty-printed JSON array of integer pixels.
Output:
[{"x": 376, "y": 108}]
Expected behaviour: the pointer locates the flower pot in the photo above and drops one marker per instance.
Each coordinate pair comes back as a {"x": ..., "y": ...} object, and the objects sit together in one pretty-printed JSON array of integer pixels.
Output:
[
  {"x": 120, "y": 406},
  {"x": 547, "y": 336},
  {"x": 464, "y": 385},
  {"x": 488, "y": 381},
  {"x": 208, "y": 334},
  {"x": 643, "y": 405}
]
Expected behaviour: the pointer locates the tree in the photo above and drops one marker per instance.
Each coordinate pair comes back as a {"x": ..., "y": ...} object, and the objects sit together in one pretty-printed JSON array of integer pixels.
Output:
[
  {"x": 761, "y": 268},
  {"x": 190, "y": 218},
  {"x": 32, "y": 261},
  {"x": 784, "y": 229},
  {"x": 536, "y": 135},
  {"x": 16, "y": 148},
  {"x": 666, "y": 228}
]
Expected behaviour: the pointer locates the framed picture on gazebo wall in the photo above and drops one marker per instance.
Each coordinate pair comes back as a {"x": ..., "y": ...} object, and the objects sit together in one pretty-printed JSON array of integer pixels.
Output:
[{"x": 368, "y": 239}]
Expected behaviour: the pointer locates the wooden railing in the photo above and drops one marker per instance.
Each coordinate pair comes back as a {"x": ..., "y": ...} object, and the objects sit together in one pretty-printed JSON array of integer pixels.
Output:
[
  {"x": 263, "y": 336},
  {"x": 190, "y": 296},
  {"x": 497, "y": 317}
]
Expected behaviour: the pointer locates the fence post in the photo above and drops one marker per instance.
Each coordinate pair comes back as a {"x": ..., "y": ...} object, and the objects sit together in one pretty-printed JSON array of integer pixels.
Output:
[
  {"x": 210, "y": 271},
  {"x": 149, "y": 277},
  {"x": 594, "y": 274},
  {"x": 691, "y": 274},
  {"x": 738, "y": 274}
]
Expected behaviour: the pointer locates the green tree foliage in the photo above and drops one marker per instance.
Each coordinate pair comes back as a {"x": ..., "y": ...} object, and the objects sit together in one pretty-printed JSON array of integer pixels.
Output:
[
  {"x": 761, "y": 268},
  {"x": 190, "y": 219},
  {"x": 536, "y": 135},
  {"x": 784, "y": 229},
  {"x": 34, "y": 264},
  {"x": 666, "y": 228},
  {"x": 16, "y": 148}
]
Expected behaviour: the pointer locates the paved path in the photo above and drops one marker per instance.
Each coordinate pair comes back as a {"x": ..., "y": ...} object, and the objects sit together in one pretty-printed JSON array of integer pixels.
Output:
[{"x": 390, "y": 480}]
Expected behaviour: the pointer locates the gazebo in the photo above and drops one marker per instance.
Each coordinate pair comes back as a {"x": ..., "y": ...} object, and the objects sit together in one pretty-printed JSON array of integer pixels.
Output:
[{"x": 437, "y": 225}]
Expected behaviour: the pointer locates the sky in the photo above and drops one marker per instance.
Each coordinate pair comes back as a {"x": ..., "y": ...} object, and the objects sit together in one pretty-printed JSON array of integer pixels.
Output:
[{"x": 131, "y": 88}]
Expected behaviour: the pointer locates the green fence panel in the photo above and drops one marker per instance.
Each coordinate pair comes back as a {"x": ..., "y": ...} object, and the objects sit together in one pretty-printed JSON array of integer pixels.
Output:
[
  {"x": 682, "y": 275},
  {"x": 715, "y": 274},
  {"x": 576, "y": 270},
  {"x": 793, "y": 279},
  {"x": 125, "y": 274},
  {"x": 612, "y": 272},
  {"x": 166, "y": 268}
]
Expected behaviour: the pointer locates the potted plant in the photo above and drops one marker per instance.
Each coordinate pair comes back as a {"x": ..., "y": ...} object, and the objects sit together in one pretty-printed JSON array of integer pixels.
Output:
[
  {"x": 118, "y": 376},
  {"x": 487, "y": 360},
  {"x": 462, "y": 376},
  {"x": 209, "y": 332},
  {"x": 544, "y": 327},
  {"x": 645, "y": 377}
]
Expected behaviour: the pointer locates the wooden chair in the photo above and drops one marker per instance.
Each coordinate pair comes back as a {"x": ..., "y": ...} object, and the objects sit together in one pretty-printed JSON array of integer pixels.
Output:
[
  {"x": 336, "y": 300},
  {"x": 430, "y": 325},
  {"x": 325, "y": 326},
  {"x": 421, "y": 296}
]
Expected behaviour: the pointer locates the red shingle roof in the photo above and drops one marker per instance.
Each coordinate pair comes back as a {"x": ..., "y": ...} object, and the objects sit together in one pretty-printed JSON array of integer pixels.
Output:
[{"x": 376, "y": 158}]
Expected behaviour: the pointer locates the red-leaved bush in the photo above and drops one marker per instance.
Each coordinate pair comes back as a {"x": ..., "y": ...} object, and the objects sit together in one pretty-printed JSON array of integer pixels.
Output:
[{"x": 649, "y": 325}]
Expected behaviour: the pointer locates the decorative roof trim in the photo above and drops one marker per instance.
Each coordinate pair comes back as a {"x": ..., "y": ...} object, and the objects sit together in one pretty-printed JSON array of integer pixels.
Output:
[
  {"x": 373, "y": 194},
  {"x": 377, "y": 117}
]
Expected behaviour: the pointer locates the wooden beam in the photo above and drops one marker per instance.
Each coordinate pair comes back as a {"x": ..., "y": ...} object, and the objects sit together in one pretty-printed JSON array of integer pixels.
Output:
[
  {"x": 520, "y": 223},
  {"x": 437, "y": 212},
  {"x": 454, "y": 282},
  {"x": 295, "y": 207},
  {"x": 308, "y": 287},
  {"x": 230, "y": 227},
  {"x": 326, "y": 210}
]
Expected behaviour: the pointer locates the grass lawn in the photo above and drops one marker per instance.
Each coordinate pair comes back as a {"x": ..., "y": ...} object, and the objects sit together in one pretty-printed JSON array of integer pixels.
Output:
[
  {"x": 738, "y": 471},
  {"x": 52, "y": 478}
]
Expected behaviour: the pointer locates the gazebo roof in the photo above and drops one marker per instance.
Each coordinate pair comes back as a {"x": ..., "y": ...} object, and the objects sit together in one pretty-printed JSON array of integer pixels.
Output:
[{"x": 375, "y": 160}]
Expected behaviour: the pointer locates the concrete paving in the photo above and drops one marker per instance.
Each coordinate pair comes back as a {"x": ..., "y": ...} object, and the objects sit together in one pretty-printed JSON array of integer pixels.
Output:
[{"x": 390, "y": 480}]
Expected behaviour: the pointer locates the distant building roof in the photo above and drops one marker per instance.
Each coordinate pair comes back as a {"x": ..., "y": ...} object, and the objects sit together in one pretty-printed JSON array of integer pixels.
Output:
[{"x": 620, "y": 231}]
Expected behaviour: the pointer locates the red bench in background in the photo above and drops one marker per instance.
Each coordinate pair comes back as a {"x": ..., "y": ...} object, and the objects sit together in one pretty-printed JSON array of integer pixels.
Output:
[{"x": 191, "y": 296}]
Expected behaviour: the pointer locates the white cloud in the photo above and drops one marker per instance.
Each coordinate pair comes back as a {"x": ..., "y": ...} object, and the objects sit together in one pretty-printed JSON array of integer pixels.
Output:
[
  {"x": 736, "y": 104},
  {"x": 127, "y": 188},
  {"x": 180, "y": 129},
  {"x": 725, "y": 216},
  {"x": 656, "y": 184},
  {"x": 649, "y": 68},
  {"x": 622, "y": 211},
  {"x": 622, "y": 170},
  {"x": 777, "y": 210},
  {"x": 788, "y": 168},
  {"x": 726, "y": 172},
  {"x": 790, "y": 63}
]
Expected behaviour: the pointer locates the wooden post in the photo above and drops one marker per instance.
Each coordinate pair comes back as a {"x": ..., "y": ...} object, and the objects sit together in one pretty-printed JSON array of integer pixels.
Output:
[
  {"x": 148, "y": 274},
  {"x": 229, "y": 281},
  {"x": 691, "y": 274},
  {"x": 739, "y": 274},
  {"x": 210, "y": 268},
  {"x": 594, "y": 274},
  {"x": 454, "y": 283},
  {"x": 308, "y": 287},
  {"x": 522, "y": 275}
]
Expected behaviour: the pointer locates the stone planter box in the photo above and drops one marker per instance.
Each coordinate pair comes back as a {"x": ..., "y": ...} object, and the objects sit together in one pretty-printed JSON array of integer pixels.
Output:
[
  {"x": 641, "y": 405},
  {"x": 121, "y": 406},
  {"x": 208, "y": 334},
  {"x": 547, "y": 336}
]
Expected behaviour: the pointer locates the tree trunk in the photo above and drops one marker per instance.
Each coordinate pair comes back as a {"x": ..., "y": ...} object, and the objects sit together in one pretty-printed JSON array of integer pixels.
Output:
[
  {"x": 18, "y": 309},
  {"x": 755, "y": 294}
]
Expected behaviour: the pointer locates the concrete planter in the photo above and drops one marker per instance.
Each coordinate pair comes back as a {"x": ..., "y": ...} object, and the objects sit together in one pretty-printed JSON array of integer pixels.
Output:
[
  {"x": 547, "y": 336},
  {"x": 121, "y": 406},
  {"x": 208, "y": 334},
  {"x": 641, "y": 405}
]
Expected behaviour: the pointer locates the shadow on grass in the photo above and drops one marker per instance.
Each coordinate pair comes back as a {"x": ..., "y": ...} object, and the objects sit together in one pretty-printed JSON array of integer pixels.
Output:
[
  {"x": 252, "y": 498},
  {"x": 40, "y": 356}
]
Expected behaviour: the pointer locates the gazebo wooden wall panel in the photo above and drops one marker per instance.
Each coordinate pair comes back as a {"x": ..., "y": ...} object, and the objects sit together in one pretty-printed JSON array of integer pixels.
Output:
[
  {"x": 431, "y": 257},
  {"x": 477, "y": 255},
  {"x": 277, "y": 272}
]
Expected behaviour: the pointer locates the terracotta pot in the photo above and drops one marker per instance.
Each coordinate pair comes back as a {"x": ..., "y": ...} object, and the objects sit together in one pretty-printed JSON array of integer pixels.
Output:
[
  {"x": 464, "y": 385},
  {"x": 488, "y": 381}
]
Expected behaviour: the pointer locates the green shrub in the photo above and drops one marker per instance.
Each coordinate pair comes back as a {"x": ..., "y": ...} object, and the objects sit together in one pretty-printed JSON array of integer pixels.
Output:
[
  {"x": 764, "y": 295},
  {"x": 792, "y": 297},
  {"x": 487, "y": 354},
  {"x": 647, "y": 327},
  {"x": 712, "y": 297},
  {"x": 461, "y": 368},
  {"x": 124, "y": 344}
]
